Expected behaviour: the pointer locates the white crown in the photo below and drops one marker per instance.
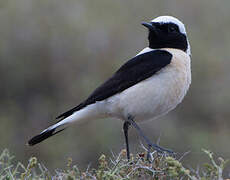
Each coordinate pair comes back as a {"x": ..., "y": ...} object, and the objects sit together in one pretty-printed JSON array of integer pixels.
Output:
[{"x": 170, "y": 19}]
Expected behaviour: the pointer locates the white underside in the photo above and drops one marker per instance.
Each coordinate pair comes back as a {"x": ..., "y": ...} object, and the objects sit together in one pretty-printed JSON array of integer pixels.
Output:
[
  {"x": 156, "y": 95},
  {"x": 146, "y": 100}
]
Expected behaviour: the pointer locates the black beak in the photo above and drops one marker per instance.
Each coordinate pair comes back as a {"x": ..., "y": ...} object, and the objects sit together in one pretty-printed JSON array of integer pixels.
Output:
[{"x": 150, "y": 26}]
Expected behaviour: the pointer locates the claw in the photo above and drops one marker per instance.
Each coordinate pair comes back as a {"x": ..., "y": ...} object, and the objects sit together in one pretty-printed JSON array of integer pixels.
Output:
[{"x": 159, "y": 150}]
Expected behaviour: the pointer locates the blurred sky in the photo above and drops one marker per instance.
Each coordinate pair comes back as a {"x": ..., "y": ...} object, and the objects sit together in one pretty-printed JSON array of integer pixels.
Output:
[{"x": 53, "y": 53}]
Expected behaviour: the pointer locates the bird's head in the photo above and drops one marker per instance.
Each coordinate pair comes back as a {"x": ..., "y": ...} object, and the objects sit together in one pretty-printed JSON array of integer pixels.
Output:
[{"x": 167, "y": 32}]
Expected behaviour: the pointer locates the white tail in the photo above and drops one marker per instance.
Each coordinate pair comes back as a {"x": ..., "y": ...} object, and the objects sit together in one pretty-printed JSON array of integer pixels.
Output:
[{"x": 87, "y": 113}]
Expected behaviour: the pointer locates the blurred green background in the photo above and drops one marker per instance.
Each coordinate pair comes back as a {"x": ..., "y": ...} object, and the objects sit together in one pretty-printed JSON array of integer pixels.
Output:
[{"x": 53, "y": 53}]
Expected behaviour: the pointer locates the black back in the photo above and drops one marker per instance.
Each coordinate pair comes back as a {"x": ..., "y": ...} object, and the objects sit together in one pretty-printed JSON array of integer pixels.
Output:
[{"x": 135, "y": 70}]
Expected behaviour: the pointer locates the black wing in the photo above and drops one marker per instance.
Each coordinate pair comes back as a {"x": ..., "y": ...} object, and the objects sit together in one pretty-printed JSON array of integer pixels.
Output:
[{"x": 135, "y": 70}]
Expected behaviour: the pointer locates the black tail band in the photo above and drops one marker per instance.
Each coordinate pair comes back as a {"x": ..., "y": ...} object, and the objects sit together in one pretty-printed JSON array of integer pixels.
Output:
[{"x": 44, "y": 135}]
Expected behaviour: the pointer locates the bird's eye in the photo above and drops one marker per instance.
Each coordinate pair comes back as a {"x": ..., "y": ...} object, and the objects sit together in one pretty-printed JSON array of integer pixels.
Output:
[{"x": 172, "y": 29}]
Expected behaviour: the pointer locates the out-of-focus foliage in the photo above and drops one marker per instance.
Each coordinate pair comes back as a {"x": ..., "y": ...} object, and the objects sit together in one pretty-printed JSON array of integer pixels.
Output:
[
  {"x": 54, "y": 53},
  {"x": 160, "y": 167}
]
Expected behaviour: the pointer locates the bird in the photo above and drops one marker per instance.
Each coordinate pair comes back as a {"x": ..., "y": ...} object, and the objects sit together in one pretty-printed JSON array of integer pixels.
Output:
[{"x": 146, "y": 87}]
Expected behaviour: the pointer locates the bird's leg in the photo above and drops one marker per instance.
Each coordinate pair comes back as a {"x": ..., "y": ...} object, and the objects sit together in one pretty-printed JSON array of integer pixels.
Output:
[
  {"x": 126, "y": 128},
  {"x": 150, "y": 145}
]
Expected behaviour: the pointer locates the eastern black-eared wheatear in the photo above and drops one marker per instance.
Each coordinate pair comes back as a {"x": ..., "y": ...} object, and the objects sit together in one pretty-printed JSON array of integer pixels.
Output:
[{"x": 146, "y": 87}]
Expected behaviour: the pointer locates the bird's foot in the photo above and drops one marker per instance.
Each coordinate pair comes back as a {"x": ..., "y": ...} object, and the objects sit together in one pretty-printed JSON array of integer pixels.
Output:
[{"x": 159, "y": 150}]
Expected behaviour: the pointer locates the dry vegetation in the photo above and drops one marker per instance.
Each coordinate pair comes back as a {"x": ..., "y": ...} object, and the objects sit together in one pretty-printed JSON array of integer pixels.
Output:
[{"x": 117, "y": 167}]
